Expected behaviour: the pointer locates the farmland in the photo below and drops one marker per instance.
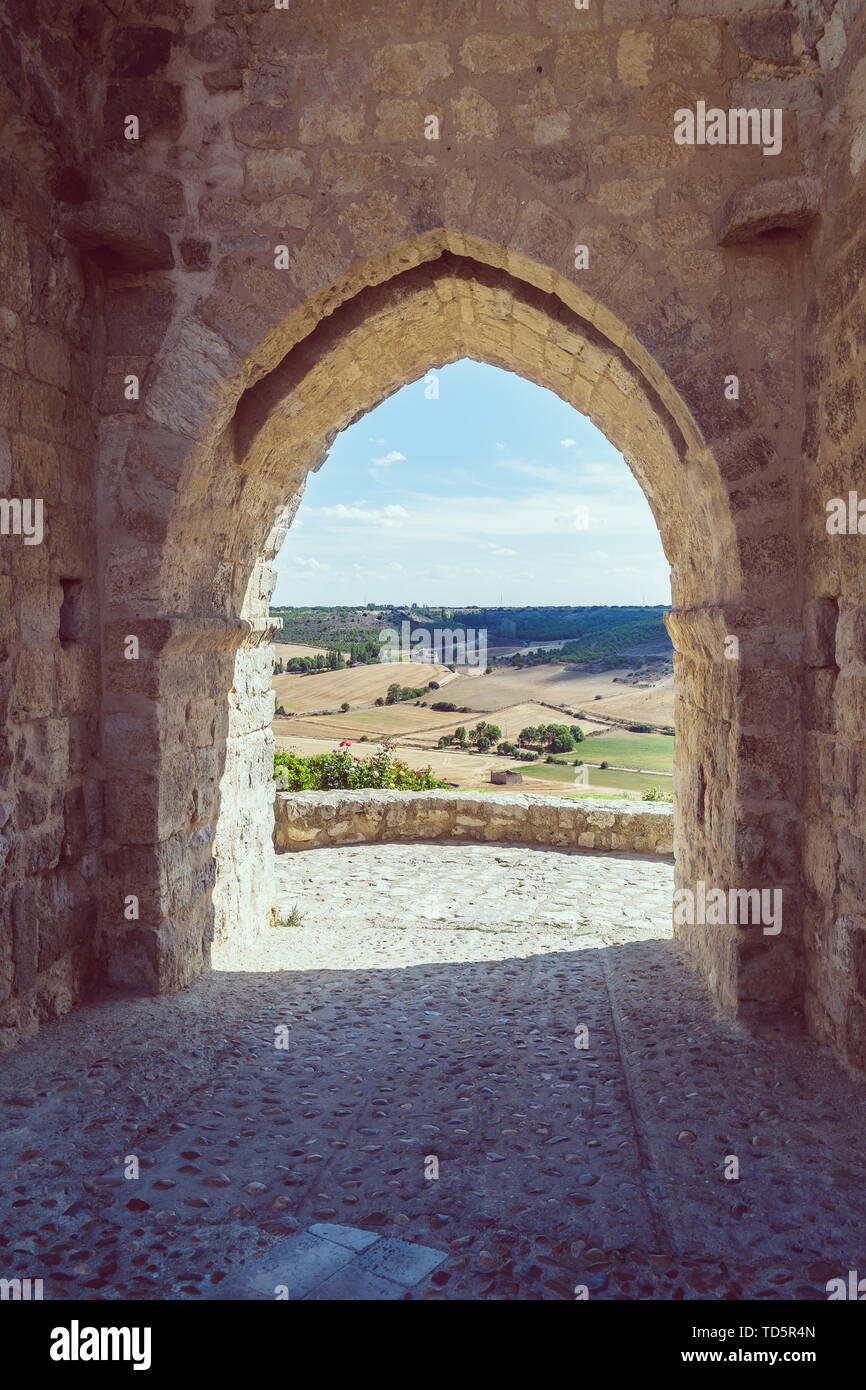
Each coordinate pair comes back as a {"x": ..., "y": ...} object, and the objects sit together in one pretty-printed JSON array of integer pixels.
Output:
[
  {"x": 609, "y": 779},
  {"x": 639, "y": 690},
  {"x": 650, "y": 752},
  {"x": 414, "y": 729},
  {"x": 359, "y": 685}
]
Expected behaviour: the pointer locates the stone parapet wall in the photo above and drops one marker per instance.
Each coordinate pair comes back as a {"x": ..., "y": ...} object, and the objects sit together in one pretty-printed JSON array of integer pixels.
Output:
[{"x": 308, "y": 820}]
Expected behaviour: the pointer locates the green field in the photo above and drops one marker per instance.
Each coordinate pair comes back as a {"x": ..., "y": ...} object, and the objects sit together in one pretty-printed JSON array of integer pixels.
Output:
[
  {"x": 629, "y": 781},
  {"x": 654, "y": 752}
]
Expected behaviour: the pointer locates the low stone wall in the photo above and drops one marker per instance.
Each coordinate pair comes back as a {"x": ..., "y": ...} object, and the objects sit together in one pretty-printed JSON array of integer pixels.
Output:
[{"x": 307, "y": 820}]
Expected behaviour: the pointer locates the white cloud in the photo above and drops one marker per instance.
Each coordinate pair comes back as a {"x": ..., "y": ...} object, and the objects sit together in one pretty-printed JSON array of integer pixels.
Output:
[
  {"x": 496, "y": 549},
  {"x": 393, "y": 456},
  {"x": 389, "y": 516},
  {"x": 568, "y": 443},
  {"x": 311, "y": 564},
  {"x": 500, "y": 446}
]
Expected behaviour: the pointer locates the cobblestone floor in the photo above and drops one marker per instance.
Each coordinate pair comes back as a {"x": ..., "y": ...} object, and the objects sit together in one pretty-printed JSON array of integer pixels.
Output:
[{"x": 429, "y": 1000}]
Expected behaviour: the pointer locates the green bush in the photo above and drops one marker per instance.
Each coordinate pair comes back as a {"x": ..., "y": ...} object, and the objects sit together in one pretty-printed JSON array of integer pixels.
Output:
[
  {"x": 656, "y": 794},
  {"x": 342, "y": 770}
]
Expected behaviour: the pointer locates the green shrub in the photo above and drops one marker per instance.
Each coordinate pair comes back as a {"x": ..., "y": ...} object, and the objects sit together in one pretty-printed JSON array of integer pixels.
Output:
[
  {"x": 342, "y": 770},
  {"x": 656, "y": 794}
]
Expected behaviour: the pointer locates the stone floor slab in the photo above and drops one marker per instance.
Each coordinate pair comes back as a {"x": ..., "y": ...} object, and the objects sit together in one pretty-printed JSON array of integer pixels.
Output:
[
  {"x": 398, "y": 1260},
  {"x": 300, "y": 1263},
  {"x": 350, "y": 1236}
]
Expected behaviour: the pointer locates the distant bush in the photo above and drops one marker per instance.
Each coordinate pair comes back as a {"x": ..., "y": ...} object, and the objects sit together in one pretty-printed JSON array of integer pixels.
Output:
[
  {"x": 555, "y": 738},
  {"x": 506, "y": 748},
  {"x": 434, "y": 685},
  {"x": 604, "y": 766},
  {"x": 445, "y": 705},
  {"x": 342, "y": 770},
  {"x": 669, "y": 730},
  {"x": 344, "y": 706},
  {"x": 380, "y": 701},
  {"x": 640, "y": 728},
  {"x": 484, "y": 735}
]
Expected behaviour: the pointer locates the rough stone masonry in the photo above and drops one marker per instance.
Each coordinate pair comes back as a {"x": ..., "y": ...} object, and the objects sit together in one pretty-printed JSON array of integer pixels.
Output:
[{"x": 227, "y": 229}]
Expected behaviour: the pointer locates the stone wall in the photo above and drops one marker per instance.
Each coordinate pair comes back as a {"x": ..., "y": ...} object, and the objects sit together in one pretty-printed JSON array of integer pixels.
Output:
[
  {"x": 833, "y": 716},
  {"x": 307, "y": 820},
  {"x": 51, "y": 786}
]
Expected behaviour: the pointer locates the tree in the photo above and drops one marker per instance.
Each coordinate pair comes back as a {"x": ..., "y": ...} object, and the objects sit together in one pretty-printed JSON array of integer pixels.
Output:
[
  {"x": 344, "y": 706},
  {"x": 483, "y": 730},
  {"x": 577, "y": 733},
  {"x": 393, "y": 695}
]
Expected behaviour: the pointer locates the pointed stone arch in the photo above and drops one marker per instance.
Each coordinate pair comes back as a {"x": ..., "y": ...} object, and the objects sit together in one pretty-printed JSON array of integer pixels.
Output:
[{"x": 192, "y": 806}]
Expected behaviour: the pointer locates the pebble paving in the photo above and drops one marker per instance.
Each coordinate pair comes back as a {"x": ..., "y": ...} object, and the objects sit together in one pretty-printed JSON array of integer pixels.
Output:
[{"x": 405, "y": 1058}]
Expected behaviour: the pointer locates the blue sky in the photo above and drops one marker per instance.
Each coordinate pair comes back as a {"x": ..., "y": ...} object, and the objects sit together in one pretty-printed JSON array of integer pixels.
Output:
[{"x": 473, "y": 498}]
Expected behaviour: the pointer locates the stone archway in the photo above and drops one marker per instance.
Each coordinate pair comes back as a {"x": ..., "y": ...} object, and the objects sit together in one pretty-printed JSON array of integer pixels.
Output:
[
  {"x": 153, "y": 258},
  {"x": 211, "y": 783}
]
